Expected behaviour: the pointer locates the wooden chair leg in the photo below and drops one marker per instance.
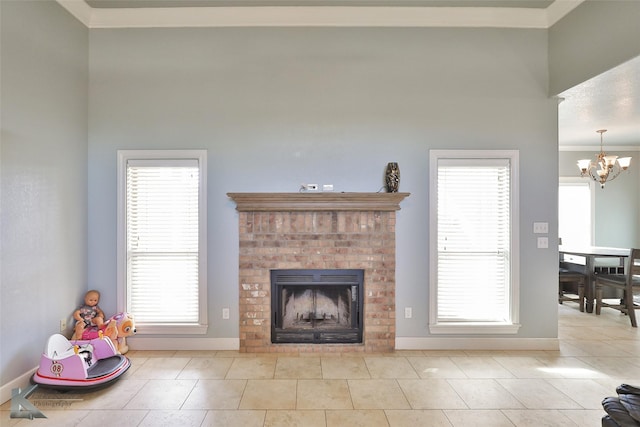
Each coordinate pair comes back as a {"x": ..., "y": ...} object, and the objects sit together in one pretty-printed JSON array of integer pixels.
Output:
[
  {"x": 581, "y": 296},
  {"x": 598, "y": 299},
  {"x": 560, "y": 293},
  {"x": 631, "y": 310}
]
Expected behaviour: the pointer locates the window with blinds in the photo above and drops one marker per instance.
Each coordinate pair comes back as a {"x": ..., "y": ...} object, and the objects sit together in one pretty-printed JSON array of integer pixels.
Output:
[
  {"x": 163, "y": 238},
  {"x": 473, "y": 281}
]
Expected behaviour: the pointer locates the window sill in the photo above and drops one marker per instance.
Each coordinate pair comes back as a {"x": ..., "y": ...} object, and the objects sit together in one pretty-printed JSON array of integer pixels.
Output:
[
  {"x": 170, "y": 328},
  {"x": 474, "y": 328}
]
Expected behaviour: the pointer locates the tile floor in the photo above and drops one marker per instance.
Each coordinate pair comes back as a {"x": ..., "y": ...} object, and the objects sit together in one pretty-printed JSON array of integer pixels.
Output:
[{"x": 405, "y": 388}]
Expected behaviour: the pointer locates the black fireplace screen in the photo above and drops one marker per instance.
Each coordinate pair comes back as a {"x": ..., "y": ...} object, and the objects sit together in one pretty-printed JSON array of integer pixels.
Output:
[{"x": 316, "y": 306}]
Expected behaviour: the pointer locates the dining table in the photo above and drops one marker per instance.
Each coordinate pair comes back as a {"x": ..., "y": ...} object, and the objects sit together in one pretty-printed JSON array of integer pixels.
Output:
[{"x": 591, "y": 261}]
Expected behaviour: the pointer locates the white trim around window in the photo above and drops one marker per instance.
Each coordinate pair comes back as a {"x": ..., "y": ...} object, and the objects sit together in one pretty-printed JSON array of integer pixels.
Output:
[
  {"x": 162, "y": 256},
  {"x": 474, "y": 242}
]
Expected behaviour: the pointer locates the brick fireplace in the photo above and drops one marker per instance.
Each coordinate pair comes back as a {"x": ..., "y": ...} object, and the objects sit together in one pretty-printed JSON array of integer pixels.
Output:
[{"x": 317, "y": 231}]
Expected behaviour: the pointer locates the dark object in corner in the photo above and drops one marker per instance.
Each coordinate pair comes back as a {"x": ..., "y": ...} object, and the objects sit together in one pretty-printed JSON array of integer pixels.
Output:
[{"x": 623, "y": 410}]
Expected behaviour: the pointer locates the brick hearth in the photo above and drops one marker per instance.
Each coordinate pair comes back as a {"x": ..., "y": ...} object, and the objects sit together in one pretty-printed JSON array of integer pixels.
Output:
[{"x": 317, "y": 231}]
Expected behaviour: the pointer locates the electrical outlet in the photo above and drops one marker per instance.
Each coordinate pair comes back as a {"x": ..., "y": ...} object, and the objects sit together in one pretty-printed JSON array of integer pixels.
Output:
[
  {"x": 327, "y": 187},
  {"x": 225, "y": 313},
  {"x": 407, "y": 313},
  {"x": 63, "y": 325}
]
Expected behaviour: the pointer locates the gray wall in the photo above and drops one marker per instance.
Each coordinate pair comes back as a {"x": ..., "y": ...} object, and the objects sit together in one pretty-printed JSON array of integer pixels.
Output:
[
  {"x": 43, "y": 159},
  {"x": 595, "y": 37},
  {"x": 617, "y": 206},
  {"x": 278, "y": 107}
]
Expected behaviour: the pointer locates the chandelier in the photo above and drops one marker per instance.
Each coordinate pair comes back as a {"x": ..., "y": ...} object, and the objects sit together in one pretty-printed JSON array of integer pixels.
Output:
[{"x": 606, "y": 167}]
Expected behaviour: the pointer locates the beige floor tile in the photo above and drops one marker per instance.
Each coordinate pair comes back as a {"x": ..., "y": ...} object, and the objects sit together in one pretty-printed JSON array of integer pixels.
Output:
[
  {"x": 295, "y": 419},
  {"x": 124, "y": 418},
  {"x": 601, "y": 348},
  {"x": 478, "y": 418},
  {"x": 616, "y": 367},
  {"x": 538, "y": 394},
  {"x": 252, "y": 368},
  {"x": 323, "y": 394},
  {"x": 389, "y": 367},
  {"x": 117, "y": 396},
  {"x": 216, "y": 394},
  {"x": 298, "y": 368},
  {"x": 234, "y": 419},
  {"x": 344, "y": 368},
  {"x": 377, "y": 394},
  {"x": 160, "y": 368},
  {"x": 587, "y": 393},
  {"x": 196, "y": 353},
  {"x": 443, "y": 353},
  {"x": 417, "y": 417},
  {"x": 570, "y": 367},
  {"x": 431, "y": 394},
  {"x": 269, "y": 394},
  {"x": 538, "y": 418},
  {"x": 162, "y": 394},
  {"x": 180, "y": 418},
  {"x": 55, "y": 418},
  {"x": 436, "y": 367},
  {"x": 625, "y": 345},
  {"x": 568, "y": 348},
  {"x": 484, "y": 394},
  {"x": 610, "y": 384},
  {"x": 375, "y": 418},
  {"x": 403, "y": 353},
  {"x": 585, "y": 418},
  {"x": 133, "y": 354},
  {"x": 481, "y": 367},
  {"x": 526, "y": 367},
  {"x": 402, "y": 388},
  {"x": 206, "y": 368}
]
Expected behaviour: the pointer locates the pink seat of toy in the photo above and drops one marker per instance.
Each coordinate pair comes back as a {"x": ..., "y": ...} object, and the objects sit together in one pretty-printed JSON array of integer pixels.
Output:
[{"x": 58, "y": 347}]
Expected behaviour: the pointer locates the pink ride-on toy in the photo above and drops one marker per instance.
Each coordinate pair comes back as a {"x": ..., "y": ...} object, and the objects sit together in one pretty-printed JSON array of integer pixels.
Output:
[{"x": 67, "y": 365}]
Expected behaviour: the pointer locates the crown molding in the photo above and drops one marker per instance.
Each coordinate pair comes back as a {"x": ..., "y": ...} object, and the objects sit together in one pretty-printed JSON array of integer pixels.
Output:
[
  {"x": 596, "y": 148},
  {"x": 319, "y": 16}
]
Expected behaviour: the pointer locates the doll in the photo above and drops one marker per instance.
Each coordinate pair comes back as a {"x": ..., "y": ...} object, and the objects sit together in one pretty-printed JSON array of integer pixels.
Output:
[{"x": 89, "y": 314}]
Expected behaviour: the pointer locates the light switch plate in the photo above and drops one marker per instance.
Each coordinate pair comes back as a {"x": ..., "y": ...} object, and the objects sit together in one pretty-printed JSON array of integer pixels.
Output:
[
  {"x": 540, "y": 227},
  {"x": 543, "y": 242}
]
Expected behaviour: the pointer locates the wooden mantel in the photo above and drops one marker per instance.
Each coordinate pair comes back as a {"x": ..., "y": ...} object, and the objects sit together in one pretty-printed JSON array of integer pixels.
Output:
[{"x": 320, "y": 201}]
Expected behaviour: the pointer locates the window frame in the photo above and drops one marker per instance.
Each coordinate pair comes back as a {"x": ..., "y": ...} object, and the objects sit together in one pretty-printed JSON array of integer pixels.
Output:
[
  {"x": 511, "y": 325},
  {"x": 123, "y": 156}
]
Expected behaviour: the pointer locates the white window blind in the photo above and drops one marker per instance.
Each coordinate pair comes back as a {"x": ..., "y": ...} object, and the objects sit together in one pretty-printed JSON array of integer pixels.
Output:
[
  {"x": 163, "y": 258},
  {"x": 473, "y": 227},
  {"x": 162, "y": 241}
]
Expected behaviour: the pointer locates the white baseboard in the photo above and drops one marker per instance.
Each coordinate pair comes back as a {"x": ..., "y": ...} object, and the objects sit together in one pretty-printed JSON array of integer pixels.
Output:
[
  {"x": 22, "y": 382},
  {"x": 421, "y": 343},
  {"x": 152, "y": 343}
]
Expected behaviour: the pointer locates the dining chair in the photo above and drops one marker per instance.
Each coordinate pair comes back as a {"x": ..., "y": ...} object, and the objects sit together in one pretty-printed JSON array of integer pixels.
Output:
[
  {"x": 628, "y": 283},
  {"x": 565, "y": 276}
]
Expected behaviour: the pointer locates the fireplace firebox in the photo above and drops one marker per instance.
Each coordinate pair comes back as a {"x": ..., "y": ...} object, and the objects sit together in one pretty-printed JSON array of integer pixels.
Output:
[{"x": 317, "y": 306}]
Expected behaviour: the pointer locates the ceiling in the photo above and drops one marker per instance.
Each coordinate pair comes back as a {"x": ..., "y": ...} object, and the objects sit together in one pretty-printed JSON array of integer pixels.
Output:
[{"x": 609, "y": 101}]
